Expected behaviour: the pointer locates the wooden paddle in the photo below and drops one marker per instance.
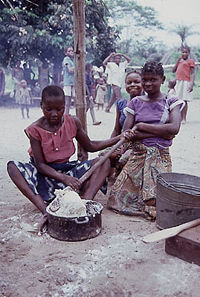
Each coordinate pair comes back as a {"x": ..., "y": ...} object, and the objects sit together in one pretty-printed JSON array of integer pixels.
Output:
[
  {"x": 55, "y": 205},
  {"x": 101, "y": 160},
  {"x": 169, "y": 232}
]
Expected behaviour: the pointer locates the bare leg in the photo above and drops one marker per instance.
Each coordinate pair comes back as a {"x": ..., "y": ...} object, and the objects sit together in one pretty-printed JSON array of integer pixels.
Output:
[
  {"x": 23, "y": 186},
  {"x": 91, "y": 107},
  {"x": 184, "y": 112},
  {"x": 22, "y": 111},
  {"x": 96, "y": 180},
  {"x": 116, "y": 95},
  {"x": 27, "y": 111},
  {"x": 92, "y": 113}
]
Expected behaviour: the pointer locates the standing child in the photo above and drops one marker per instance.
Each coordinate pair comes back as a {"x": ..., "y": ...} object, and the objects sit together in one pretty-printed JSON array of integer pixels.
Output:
[
  {"x": 68, "y": 77},
  {"x": 155, "y": 120},
  {"x": 23, "y": 97},
  {"x": 100, "y": 93},
  {"x": 117, "y": 71},
  {"x": 51, "y": 146},
  {"x": 185, "y": 75},
  {"x": 89, "y": 96},
  {"x": 17, "y": 76},
  {"x": 171, "y": 88}
]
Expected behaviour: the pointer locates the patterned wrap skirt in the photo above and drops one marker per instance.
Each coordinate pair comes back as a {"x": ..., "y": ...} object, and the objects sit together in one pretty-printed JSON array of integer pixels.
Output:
[
  {"x": 45, "y": 186},
  {"x": 133, "y": 193}
]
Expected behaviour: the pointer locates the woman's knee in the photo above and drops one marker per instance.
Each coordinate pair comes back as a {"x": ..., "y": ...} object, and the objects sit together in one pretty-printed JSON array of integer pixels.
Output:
[{"x": 11, "y": 168}]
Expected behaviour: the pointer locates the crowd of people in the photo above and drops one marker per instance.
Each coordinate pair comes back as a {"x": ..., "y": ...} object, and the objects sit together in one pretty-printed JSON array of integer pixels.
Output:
[
  {"x": 146, "y": 119},
  {"x": 103, "y": 85}
]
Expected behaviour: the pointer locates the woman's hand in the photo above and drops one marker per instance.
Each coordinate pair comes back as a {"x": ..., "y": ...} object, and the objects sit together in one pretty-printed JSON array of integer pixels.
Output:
[
  {"x": 129, "y": 134},
  {"x": 190, "y": 88},
  {"x": 71, "y": 181}
]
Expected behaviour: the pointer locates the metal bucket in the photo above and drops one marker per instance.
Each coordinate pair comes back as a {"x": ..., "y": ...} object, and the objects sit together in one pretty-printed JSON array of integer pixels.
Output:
[{"x": 177, "y": 199}]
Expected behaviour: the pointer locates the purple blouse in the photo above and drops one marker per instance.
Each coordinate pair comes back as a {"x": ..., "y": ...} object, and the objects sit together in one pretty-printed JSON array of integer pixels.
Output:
[{"x": 153, "y": 113}]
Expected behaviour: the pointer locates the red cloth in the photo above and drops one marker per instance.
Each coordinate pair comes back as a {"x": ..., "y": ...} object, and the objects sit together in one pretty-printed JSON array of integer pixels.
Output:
[
  {"x": 184, "y": 69},
  {"x": 57, "y": 146}
]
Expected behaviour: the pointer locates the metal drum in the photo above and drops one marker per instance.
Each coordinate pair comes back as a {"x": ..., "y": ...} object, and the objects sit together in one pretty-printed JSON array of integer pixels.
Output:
[{"x": 177, "y": 199}]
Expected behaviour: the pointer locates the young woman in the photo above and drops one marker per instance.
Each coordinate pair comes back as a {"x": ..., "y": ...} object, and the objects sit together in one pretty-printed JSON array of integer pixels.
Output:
[
  {"x": 51, "y": 146},
  {"x": 155, "y": 120}
]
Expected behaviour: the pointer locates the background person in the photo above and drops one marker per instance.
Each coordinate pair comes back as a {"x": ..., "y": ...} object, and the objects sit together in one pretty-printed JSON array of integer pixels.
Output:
[
  {"x": 17, "y": 75},
  {"x": 23, "y": 98},
  {"x": 100, "y": 93},
  {"x": 29, "y": 74},
  {"x": 89, "y": 97},
  {"x": 117, "y": 72},
  {"x": 2, "y": 81},
  {"x": 185, "y": 76},
  {"x": 68, "y": 77}
]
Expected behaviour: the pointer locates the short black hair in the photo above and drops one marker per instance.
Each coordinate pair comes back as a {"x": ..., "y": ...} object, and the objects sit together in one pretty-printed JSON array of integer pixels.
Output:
[
  {"x": 67, "y": 47},
  {"x": 132, "y": 71},
  {"x": 153, "y": 67},
  {"x": 185, "y": 47},
  {"x": 52, "y": 90}
]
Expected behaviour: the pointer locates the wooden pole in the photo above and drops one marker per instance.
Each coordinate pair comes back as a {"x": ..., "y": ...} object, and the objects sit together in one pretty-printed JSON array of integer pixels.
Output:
[{"x": 79, "y": 61}]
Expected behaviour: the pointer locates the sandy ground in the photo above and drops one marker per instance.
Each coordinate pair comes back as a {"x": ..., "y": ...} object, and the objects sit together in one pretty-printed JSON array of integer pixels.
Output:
[{"x": 117, "y": 262}]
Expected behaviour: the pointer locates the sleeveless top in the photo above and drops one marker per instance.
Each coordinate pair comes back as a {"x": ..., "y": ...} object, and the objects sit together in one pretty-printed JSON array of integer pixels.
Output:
[{"x": 57, "y": 146}]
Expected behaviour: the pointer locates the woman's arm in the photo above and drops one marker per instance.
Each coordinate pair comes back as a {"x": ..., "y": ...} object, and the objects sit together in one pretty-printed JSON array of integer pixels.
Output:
[
  {"x": 92, "y": 145},
  {"x": 144, "y": 130},
  {"x": 134, "y": 134},
  {"x": 117, "y": 129},
  {"x": 124, "y": 56},
  {"x": 192, "y": 75},
  {"x": 48, "y": 171},
  {"x": 129, "y": 121},
  {"x": 163, "y": 130},
  {"x": 176, "y": 65},
  {"x": 70, "y": 69},
  {"x": 105, "y": 62}
]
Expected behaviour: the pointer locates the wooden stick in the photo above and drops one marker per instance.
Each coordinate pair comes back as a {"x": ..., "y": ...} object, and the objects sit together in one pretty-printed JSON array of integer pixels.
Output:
[{"x": 101, "y": 160}]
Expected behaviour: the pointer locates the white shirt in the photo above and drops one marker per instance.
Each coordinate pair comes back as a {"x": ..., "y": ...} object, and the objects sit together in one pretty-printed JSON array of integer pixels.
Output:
[{"x": 116, "y": 73}]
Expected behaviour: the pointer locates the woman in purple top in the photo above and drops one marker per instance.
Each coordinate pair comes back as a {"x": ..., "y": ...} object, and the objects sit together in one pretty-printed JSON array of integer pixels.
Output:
[{"x": 155, "y": 120}]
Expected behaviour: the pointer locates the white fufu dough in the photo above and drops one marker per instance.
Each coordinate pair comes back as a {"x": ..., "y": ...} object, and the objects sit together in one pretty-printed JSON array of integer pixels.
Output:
[{"x": 67, "y": 204}]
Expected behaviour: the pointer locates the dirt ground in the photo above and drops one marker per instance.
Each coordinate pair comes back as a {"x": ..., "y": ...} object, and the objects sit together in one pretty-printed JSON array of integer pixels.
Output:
[{"x": 117, "y": 262}]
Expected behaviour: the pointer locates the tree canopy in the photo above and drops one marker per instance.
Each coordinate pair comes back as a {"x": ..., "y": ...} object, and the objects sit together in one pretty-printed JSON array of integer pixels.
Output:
[
  {"x": 42, "y": 29},
  {"x": 135, "y": 24}
]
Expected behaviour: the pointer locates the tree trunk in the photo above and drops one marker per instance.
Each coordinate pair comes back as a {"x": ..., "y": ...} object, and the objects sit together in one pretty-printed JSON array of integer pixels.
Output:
[{"x": 79, "y": 61}]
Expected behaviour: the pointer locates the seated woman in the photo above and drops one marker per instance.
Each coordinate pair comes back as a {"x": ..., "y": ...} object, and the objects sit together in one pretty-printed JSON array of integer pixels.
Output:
[{"x": 51, "y": 146}]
